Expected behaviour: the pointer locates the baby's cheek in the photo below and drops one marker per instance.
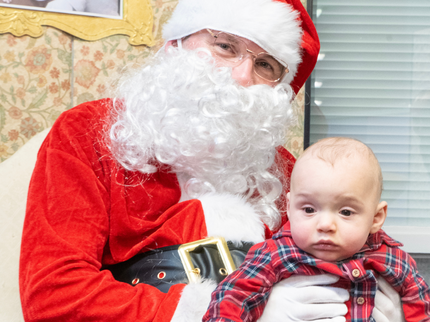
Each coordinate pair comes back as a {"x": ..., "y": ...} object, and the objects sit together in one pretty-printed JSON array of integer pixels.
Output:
[
  {"x": 354, "y": 241},
  {"x": 301, "y": 237}
]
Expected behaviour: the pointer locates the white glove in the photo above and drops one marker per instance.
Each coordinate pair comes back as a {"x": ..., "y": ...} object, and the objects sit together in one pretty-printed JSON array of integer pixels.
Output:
[
  {"x": 388, "y": 306},
  {"x": 306, "y": 298}
]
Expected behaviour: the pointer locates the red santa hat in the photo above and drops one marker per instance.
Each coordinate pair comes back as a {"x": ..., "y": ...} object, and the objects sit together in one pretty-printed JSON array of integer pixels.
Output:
[{"x": 281, "y": 27}]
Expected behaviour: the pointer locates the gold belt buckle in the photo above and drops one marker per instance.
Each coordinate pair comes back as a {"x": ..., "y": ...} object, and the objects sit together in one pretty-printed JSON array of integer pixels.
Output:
[{"x": 193, "y": 273}]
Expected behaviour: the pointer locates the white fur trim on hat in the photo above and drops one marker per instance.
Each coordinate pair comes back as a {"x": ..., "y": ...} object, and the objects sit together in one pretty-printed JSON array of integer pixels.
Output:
[{"x": 272, "y": 25}]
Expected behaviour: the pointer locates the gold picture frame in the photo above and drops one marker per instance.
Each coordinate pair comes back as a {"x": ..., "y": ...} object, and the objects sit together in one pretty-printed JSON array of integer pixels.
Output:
[{"x": 136, "y": 22}]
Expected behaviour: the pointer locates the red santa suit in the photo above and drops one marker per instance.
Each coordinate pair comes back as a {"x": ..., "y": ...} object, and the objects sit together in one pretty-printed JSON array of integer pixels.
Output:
[{"x": 85, "y": 211}]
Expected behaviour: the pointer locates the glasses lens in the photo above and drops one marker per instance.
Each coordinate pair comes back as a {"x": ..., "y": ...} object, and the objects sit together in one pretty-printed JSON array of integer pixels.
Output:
[
  {"x": 228, "y": 47},
  {"x": 268, "y": 67}
]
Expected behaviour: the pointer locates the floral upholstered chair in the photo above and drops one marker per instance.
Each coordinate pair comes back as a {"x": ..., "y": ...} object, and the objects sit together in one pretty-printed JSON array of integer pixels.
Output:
[{"x": 15, "y": 174}]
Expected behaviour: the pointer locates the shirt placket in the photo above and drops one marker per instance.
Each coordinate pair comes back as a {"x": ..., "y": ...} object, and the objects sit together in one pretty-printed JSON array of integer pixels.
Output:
[{"x": 363, "y": 290}]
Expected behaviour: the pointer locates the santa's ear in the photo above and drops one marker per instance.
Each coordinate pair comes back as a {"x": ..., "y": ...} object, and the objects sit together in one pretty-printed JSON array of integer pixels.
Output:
[
  {"x": 171, "y": 43},
  {"x": 379, "y": 218}
]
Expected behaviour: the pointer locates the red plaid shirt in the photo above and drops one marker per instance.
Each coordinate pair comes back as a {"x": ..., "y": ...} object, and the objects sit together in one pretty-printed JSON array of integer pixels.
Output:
[{"x": 242, "y": 296}]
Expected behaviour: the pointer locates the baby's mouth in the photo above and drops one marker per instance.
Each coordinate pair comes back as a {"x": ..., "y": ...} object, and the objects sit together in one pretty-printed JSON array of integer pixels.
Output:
[{"x": 325, "y": 244}]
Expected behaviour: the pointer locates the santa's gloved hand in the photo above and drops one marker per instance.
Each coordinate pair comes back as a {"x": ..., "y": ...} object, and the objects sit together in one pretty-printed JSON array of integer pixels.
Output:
[
  {"x": 306, "y": 298},
  {"x": 388, "y": 306}
]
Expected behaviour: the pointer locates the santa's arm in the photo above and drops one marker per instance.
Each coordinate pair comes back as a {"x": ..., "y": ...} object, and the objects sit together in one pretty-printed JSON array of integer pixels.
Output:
[{"x": 65, "y": 232}]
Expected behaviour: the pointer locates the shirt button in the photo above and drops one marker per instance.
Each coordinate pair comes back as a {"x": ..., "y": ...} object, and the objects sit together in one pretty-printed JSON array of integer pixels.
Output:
[
  {"x": 360, "y": 300},
  {"x": 356, "y": 273}
]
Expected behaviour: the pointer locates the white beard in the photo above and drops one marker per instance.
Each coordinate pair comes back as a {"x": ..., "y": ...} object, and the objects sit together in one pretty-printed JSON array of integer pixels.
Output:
[{"x": 182, "y": 111}]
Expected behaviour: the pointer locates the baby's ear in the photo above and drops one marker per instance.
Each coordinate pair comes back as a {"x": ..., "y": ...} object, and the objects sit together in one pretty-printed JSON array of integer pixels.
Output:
[
  {"x": 288, "y": 203},
  {"x": 379, "y": 218}
]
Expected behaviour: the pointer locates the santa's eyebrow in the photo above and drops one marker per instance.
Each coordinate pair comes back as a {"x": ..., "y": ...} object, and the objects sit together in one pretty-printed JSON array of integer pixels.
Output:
[{"x": 233, "y": 39}]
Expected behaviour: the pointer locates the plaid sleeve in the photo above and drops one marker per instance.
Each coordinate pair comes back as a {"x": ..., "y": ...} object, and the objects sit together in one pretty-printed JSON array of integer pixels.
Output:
[
  {"x": 415, "y": 295},
  {"x": 400, "y": 270},
  {"x": 243, "y": 294}
]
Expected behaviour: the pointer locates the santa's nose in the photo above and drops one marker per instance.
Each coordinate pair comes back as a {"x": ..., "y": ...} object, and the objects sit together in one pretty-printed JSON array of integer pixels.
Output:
[{"x": 243, "y": 72}]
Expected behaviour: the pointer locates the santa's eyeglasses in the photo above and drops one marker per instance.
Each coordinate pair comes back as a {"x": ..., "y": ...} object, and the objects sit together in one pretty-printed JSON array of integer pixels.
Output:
[{"x": 234, "y": 50}]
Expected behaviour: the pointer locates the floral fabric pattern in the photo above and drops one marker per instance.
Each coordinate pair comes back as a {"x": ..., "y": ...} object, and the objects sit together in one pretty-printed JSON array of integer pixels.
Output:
[
  {"x": 42, "y": 77},
  {"x": 38, "y": 60}
]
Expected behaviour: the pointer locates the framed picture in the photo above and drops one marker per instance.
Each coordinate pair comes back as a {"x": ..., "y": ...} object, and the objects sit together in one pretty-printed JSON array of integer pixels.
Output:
[{"x": 85, "y": 19}]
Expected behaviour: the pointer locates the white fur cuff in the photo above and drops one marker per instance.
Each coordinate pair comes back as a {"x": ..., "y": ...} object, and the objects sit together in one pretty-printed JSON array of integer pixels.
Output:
[
  {"x": 194, "y": 301},
  {"x": 231, "y": 217}
]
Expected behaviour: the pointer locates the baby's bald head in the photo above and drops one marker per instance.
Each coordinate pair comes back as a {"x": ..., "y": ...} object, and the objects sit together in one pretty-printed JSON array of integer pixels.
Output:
[{"x": 337, "y": 149}]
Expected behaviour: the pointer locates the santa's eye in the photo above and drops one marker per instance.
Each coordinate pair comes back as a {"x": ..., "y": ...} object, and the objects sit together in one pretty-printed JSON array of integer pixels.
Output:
[
  {"x": 346, "y": 212},
  {"x": 309, "y": 210}
]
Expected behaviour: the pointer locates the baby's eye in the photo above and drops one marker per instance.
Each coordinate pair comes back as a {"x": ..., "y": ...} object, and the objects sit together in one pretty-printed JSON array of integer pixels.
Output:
[
  {"x": 346, "y": 212},
  {"x": 309, "y": 210}
]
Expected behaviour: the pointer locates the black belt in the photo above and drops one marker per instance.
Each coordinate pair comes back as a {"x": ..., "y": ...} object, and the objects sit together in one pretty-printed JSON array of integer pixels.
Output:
[{"x": 164, "y": 267}]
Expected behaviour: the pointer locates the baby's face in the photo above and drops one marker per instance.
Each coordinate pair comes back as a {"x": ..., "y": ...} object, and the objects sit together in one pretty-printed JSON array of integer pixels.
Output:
[{"x": 332, "y": 209}]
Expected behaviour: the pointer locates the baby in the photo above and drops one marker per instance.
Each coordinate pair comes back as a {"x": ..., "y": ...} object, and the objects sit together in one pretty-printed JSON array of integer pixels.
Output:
[{"x": 335, "y": 219}]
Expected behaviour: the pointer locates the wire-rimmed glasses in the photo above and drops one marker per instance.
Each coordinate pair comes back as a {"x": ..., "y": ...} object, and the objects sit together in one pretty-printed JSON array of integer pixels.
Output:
[{"x": 233, "y": 49}]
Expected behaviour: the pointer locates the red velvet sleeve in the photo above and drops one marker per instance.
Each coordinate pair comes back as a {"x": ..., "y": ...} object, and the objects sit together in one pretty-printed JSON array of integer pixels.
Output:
[{"x": 79, "y": 217}]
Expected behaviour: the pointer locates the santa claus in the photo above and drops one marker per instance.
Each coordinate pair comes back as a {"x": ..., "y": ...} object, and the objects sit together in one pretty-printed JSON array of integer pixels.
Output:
[{"x": 190, "y": 148}]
